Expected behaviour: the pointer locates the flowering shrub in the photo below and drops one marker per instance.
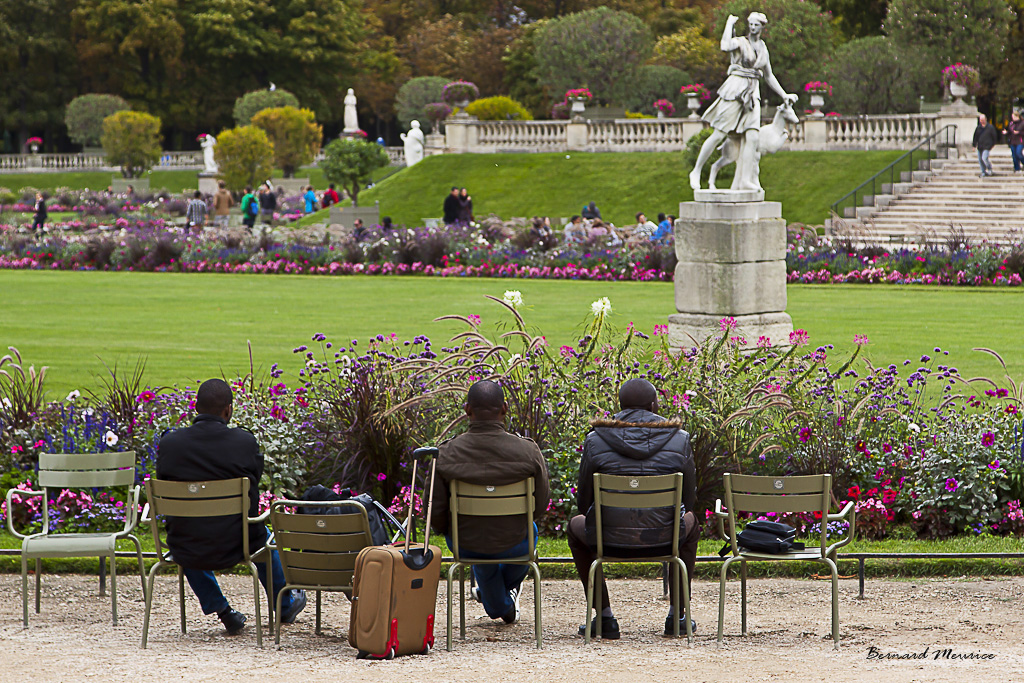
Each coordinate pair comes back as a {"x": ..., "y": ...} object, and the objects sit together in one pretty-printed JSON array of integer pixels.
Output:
[
  {"x": 818, "y": 88},
  {"x": 459, "y": 91},
  {"x": 436, "y": 112},
  {"x": 579, "y": 93},
  {"x": 665, "y": 107},
  {"x": 696, "y": 90},
  {"x": 34, "y": 141},
  {"x": 560, "y": 110},
  {"x": 964, "y": 74}
]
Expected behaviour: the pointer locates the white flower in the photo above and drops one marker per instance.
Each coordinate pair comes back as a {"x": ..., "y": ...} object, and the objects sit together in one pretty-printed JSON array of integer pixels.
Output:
[
  {"x": 87, "y": 413},
  {"x": 110, "y": 438},
  {"x": 601, "y": 307},
  {"x": 73, "y": 395},
  {"x": 514, "y": 358},
  {"x": 914, "y": 428},
  {"x": 7, "y": 402},
  {"x": 513, "y": 298}
]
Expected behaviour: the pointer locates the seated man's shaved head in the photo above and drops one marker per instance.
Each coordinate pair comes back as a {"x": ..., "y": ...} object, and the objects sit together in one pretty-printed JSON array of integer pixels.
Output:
[
  {"x": 637, "y": 393},
  {"x": 485, "y": 400},
  {"x": 214, "y": 397}
]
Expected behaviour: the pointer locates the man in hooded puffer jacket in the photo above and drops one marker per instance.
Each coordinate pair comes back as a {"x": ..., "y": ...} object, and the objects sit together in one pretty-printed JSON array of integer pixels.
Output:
[{"x": 636, "y": 441}]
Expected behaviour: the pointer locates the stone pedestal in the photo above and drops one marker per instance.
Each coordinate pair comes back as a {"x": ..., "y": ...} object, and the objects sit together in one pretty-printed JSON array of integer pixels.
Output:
[
  {"x": 576, "y": 136},
  {"x": 208, "y": 183},
  {"x": 964, "y": 117},
  {"x": 434, "y": 144},
  {"x": 732, "y": 263}
]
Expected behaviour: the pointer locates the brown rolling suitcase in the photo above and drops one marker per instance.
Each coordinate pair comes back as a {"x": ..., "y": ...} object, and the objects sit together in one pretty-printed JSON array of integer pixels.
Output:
[{"x": 394, "y": 592}]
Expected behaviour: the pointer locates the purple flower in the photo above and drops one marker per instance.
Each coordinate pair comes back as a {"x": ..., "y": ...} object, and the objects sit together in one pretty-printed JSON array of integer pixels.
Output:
[
  {"x": 381, "y": 476},
  {"x": 952, "y": 484},
  {"x": 805, "y": 434},
  {"x": 988, "y": 439}
]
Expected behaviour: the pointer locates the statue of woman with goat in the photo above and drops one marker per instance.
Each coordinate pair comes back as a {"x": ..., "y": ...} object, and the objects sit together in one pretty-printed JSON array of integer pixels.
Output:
[{"x": 736, "y": 114}]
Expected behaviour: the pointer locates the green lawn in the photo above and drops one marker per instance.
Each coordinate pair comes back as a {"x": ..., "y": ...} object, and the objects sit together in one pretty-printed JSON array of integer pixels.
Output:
[
  {"x": 191, "y": 326},
  {"x": 558, "y": 185}
]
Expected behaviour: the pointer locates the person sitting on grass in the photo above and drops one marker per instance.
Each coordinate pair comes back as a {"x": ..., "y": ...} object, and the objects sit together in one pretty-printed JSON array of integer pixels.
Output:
[
  {"x": 575, "y": 232},
  {"x": 664, "y": 230},
  {"x": 488, "y": 455},
  {"x": 209, "y": 450},
  {"x": 635, "y": 441}
]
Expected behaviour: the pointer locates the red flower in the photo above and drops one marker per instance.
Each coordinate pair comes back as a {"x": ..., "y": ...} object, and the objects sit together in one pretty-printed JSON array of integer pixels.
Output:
[{"x": 853, "y": 492}]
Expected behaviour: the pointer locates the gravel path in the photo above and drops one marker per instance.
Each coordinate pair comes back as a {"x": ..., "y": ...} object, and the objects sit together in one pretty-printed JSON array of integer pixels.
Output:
[{"x": 788, "y": 641}]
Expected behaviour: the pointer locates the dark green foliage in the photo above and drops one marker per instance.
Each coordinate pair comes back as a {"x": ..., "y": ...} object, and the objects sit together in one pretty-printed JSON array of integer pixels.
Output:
[
  {"x": 655, "y": 83},
  {"x": 415, "y": 94},
  {"x": 869, "y": 77},
  {"x": 351, "y": 163},
  {"x": 85, "y": 114},
  {"x": 252, "y": 103}
]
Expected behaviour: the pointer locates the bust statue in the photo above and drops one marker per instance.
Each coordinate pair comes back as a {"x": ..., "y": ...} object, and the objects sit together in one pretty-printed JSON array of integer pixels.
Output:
[
  {"x": 413, "y": 141},
  {"x": 736, "y": 114},
  {"x": 351, "y": 118},
  {"x": 209, "y": 165}
]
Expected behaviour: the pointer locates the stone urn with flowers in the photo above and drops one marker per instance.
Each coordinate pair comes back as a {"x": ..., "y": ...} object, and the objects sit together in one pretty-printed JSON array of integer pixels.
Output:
[
  {"x": 817, "y": 90},
  {"x": 962, "y": 80}
]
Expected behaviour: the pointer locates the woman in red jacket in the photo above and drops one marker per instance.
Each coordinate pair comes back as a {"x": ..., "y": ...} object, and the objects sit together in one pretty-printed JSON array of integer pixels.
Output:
[{"x": 1015, "y": 138}]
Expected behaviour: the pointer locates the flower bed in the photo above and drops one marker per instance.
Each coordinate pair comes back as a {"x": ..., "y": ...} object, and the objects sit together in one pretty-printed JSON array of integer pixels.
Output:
[{"x": 914, "y": 443}]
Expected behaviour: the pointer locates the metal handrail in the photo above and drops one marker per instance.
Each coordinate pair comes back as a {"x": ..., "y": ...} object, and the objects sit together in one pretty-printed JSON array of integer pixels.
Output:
[{"x": 945, "y": 132}]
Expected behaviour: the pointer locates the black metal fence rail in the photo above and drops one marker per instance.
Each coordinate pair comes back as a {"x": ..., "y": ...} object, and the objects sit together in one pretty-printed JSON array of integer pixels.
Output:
[{"x": 859, "y": 557}]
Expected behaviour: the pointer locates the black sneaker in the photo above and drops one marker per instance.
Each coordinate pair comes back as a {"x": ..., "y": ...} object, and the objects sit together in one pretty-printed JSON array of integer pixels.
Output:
[
  {"x": 233, "y": 621},
  {"x": 297, "y": 605},
  {"x": 682, "y": 626},
  {"x": 609, "y": 628},
  {"x": 512, "y": 617}
]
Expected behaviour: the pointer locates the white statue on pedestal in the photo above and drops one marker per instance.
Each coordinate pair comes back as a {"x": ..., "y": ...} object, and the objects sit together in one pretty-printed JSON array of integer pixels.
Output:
[
  {"x": 209, "y": 165},
  {"x": 351, "y": 118},
  {"x": 413, "y": 141},
  {"x": 737, "y": 111}
]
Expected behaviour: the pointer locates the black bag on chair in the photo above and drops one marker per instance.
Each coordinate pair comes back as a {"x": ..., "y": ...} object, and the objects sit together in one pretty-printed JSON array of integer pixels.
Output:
[
  {"x": 761, "y": 536},
  {"x": 374, "y": 510}
]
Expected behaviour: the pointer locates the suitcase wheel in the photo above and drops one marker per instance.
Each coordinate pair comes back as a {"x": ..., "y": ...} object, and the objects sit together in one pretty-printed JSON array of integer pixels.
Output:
[
  {"x": 363, "y": 654},
  {"x": 426, "y": 650},
  {"x": 391, "y": 654}
]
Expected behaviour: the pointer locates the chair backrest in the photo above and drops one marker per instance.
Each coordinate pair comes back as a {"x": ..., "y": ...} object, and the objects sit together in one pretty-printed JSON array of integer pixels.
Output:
[
  {"x": 318, "y": 549},
  {"x": 86, "y": 470},
  {"x": 217, "y": 498},
  {"x": 805, "y": 493},
  {"x": 637, "y": 492},
  {"x": 475, "y": 500}
]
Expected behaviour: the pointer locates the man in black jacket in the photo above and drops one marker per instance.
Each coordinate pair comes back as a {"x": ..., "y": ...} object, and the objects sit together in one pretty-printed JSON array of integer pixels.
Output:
[
  {"x": 985, "y": 138},
  {"x": 209, "y": 450},
  {"x": 452, "y": 206},
  {"x": 636, "y": 441}
]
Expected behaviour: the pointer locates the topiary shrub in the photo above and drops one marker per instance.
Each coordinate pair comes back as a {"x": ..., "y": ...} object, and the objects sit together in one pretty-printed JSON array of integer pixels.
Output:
[
  {"x": 251, "y": 103},
  {"x": 498, "y": 108},
  {"x": 350, "y": 162},
  {"x": 245, "y": 156},
  {"x": 84, "y": 117},
  {"x": 415, "y": 94},
  {"x": 294, "y": 133},
  {"x": 131, "y": 139}
]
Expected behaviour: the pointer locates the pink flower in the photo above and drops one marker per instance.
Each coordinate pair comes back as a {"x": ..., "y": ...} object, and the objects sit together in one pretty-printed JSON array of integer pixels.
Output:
[
  {"x": 660, "y": 329},
  {"x": 277, "y": 412},
  {"x": 278, "y": 389},
  {"x": 381, "y": 476},
  {"x": 952, "y": 484},
  {"x": 727, "y": 324},
  {"x": 988, "y": 439},
  {"x": 145, "y": 397},
  {"x": 567, "y": 351},
  {"x": 805, "y": 434},
  {"x": 860, "y": 339},
  {"x": 798, "y": 338},
  {"x": 764, "y": 342},
  {"x": 473, "y": 320}
]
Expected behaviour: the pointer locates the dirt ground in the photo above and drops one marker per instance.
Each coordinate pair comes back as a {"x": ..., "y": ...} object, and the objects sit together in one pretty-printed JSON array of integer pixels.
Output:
[{"x": 789, "y": 637}]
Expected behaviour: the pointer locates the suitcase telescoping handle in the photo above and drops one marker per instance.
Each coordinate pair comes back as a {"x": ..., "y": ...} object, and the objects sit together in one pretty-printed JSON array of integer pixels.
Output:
[{"x": 425, "y": 452}]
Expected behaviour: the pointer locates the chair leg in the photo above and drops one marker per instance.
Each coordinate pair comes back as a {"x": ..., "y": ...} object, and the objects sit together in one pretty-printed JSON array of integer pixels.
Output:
[
  {"x": 685, "y": 585},
  {"x": 674, "y": 576},
  {"x": 835, "y": 602},
  {"x": 537, "y": 626},
  {"x": 318, "y": 608},
  {"x": 181, "y": 595},
  {"x": 147, "y": 594},
  {"x": 743, "y": 594},
  {"x": 39, "y": 577},
  {"x": 24, "y": 591},
  {"x": 113, "y": 584},
  {"x": 462, "y": 601},
  {"x": 590, "y": 603},
  {"x": 721, "y": 596},
  {"x": 142, "y": 566},
  {"x": 275, "y": 627},
  {"x": 451, "y": 575},
  {"x": 256, "y": 594}
]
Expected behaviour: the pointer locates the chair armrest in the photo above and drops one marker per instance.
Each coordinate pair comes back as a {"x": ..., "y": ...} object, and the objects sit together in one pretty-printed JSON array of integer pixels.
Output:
[
  {"x": 10, "y": 502},
  {"x": 261, "y": 519},
  {"x": 145, "y": 519},
  {"x": 849, "y": 512},
  {"x": 720, "y": 517},
  {"x": 131, "y": 517}
]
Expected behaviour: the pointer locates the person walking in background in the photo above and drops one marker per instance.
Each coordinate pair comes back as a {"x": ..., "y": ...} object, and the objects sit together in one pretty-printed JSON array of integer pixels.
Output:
[
  {"x": 222, "y": 203},
  {"x": 465, "y": 207},
  {"x": 452, "y": 207},
  {"x": 330, "y": 196},
  {"x": 40, "y": 216},
  {"x": 268, "y": 202},
  {"x": 1015, "y": 138},
  {"x": 195, "y": 213},
  {"x": 310, "y": 198},
  {"x": 250, "y": 208},
  {"x": 985, "y": 138}
]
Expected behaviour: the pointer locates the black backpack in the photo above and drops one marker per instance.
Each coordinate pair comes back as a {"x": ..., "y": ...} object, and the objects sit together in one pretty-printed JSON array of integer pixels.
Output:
[
  {"x": 760, "y": 536},
  {"x": 373, "y": 509}
]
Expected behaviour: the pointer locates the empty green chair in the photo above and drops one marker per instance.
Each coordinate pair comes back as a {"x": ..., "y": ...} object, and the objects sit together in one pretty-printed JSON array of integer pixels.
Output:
[
  {"x": 318, "y": 551},
  {"x": 812, "y": 493},
  {"x": 474, "y": 500},
  {"x": 78, "y": 471},
  {"x": 218, "y": 498}
]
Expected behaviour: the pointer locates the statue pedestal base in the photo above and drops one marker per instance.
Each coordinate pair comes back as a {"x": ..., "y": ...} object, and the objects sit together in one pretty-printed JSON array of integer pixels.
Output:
[
  {"x": 208, "y": 183},
  {"x": 732, "y": 263},
  {"x": 728, "y": 196}
]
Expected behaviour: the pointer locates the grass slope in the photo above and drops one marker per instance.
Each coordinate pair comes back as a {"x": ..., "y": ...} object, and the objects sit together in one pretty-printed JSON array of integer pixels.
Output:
[
  {"x": 621, "y": 183},
  {"x": 192, "y": 326}
]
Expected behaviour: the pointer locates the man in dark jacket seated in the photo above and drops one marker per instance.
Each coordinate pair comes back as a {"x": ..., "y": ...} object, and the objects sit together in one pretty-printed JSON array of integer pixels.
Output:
[
  {"x": 487, "y": 455},
  {"x": 637, "y": 441},
  {"x": 209, "y": 450}
]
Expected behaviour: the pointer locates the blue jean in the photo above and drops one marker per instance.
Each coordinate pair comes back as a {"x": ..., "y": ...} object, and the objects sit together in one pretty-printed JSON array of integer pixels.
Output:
[
  {"x": 986, "y": 165},
  {"x": 211, "y": 598},
  {"x": 496, "y": 580},
  {"x": 1018, "y": 156}
]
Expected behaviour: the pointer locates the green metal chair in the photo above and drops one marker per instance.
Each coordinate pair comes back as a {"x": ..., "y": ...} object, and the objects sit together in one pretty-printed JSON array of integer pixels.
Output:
[
  {"x": 747, "y": 493},
  {"x": 220, "y": 498},
  {"x": 640, "y": 492},
  {"x": 79, "y": 471},
  {"x": 474, "y": 500},
  {"x": 318, "y": 552}
]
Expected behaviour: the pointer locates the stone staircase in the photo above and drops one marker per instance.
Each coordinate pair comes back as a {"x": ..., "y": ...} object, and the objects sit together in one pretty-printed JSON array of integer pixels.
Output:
[{"x": 930, "y": 204}]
